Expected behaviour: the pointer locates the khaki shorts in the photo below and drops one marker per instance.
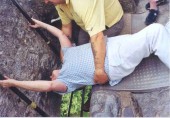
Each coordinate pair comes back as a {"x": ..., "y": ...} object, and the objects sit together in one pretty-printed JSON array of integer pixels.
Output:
[{"x": 114, "y": 30}]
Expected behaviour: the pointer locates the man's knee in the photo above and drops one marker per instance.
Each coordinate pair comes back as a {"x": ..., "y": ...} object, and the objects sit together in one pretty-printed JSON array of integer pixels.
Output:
[
  {"x": 83, "y": 37},
  {"x": 115, "y": 29},
  {"x": 156, "y": 27}
]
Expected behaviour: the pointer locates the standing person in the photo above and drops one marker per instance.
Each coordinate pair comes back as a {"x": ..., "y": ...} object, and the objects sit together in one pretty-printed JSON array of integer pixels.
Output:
[
  {"x": 96, "y": 18},
  {"x": 121, "y": 59},
  {"x": 152, "y": 6}
]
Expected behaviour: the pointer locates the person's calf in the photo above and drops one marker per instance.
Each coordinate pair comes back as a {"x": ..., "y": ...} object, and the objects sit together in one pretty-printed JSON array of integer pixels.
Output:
[
  {"x": 158, "y": 3},
  {"x": 153, "y": 4}
]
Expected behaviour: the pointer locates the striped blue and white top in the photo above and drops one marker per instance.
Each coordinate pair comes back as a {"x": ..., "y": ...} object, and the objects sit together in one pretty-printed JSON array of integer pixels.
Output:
[{"x": 78, "y": 67}]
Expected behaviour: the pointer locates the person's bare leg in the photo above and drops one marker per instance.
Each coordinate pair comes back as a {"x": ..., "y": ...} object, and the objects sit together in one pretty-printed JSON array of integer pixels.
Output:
[
  {"x": 153, "y": 13},
  {"x": 153, "y": 4}
]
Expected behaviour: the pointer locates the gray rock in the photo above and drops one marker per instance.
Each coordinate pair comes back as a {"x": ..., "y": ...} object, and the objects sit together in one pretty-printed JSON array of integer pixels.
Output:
[
  {"x": 25, "y": 56},
  {"x": 107, "y": 103}
]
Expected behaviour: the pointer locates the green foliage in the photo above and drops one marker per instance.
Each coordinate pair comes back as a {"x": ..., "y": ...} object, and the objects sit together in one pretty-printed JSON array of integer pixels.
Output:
[{"x": 76, "y": 102}]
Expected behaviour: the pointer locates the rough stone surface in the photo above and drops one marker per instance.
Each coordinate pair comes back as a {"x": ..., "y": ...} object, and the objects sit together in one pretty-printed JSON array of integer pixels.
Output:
[
  {"x": 107, "y": 103},
  {"x": 25, "y": 56}
]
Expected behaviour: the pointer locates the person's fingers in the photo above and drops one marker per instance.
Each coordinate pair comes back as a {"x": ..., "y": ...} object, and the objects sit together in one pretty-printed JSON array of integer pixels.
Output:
[
  {"x": 6, "y": 77},
  {"x": 33, "y": 26},
  {"x": 1, "y": 82},
  {"x": 34, "y": 20},
  {"x": 5, "y": 86}
]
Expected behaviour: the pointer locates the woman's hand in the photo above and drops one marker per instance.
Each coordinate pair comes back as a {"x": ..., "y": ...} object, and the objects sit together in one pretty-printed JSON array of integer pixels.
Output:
[
  {"x": 7, "y": 83},
  {"x": 38, "y": 24}
]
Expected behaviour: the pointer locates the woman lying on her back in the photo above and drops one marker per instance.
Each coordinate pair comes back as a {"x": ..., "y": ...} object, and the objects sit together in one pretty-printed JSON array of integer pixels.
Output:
[{"x": 123, "y": 54}]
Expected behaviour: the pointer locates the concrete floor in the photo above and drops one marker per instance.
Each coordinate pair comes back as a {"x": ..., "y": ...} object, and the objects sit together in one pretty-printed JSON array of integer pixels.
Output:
[{"x": 134, "y": 22}]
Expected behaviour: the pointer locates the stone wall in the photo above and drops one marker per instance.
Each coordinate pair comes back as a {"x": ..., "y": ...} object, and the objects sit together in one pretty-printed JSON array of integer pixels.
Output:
[
  {"x": 108, "y": 103},
  {"x": 25, "y": 56}
]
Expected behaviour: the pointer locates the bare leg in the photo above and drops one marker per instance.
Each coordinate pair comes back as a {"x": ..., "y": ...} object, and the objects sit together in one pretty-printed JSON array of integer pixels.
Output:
[
  {"x": 153, "y": 4},
  {"x": 153, "y": 13}
]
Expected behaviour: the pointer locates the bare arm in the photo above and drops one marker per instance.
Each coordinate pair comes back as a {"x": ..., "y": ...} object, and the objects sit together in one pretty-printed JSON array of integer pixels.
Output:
[
  {"x": 38, "y": 86},
  {"x": 95, "y": 26},
  {"x": 64, "y": 41},
  {"x": 66, "y": 22},
  {"x": 99, "y": 52}
]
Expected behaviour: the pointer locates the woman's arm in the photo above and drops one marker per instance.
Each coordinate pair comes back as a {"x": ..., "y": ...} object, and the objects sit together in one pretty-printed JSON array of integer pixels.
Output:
[
  {"x": 67, "y": 29},
  {"x": 64, "y": 41},
  {"x": 38, "y": 86}
]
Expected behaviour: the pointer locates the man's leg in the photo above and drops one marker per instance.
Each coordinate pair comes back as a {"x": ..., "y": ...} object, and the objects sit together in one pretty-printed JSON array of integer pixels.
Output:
[
  {"x": 114, "y": 30},
  {"x": 129, "y": 50},
  {"x": 83, "y": 37},
  {"x": 156, "y": 39},
  {"x": 153, "y": 13},
  {"x": 167, "y": 26},
  {"x": 152, "y": 39},
  {"x": 162, "y": 44}
]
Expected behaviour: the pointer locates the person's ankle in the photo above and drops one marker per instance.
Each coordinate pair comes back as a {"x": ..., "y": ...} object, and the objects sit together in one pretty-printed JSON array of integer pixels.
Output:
[{"x": 153, "y": 5}]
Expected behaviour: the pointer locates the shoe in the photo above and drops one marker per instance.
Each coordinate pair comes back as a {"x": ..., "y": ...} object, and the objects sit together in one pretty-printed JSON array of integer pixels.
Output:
[
  {"x": 152, "y": 16},
  {"x": 159, "y": 3}
]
